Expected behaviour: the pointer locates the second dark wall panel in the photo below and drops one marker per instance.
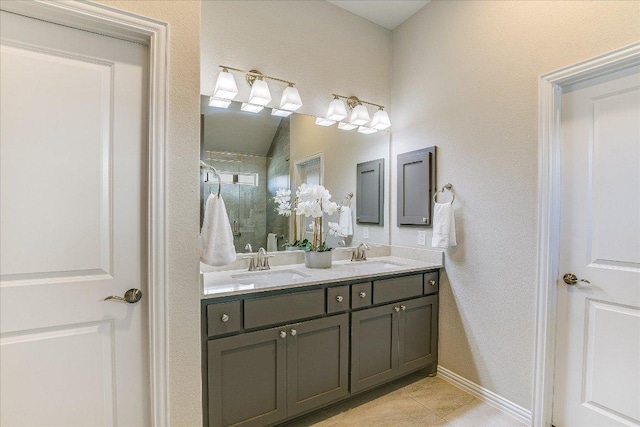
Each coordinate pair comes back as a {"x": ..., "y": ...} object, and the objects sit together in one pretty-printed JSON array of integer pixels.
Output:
[
  {"x": 370, "y": 192},
  {"x": 416, "y": 183}
]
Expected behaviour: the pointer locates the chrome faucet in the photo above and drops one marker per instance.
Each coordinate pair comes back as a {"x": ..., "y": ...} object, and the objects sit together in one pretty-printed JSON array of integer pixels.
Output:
[
  {"x": 248, "y": 248},
  {"x": 260, "y": 261},
  {"x": 360, "y": 253}
]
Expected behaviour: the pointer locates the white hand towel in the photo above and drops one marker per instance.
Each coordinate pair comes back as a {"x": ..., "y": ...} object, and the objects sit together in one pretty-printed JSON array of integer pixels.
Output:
[
  {"x": 444, "y": 226},
  {"x": 346, "y": 223},
  {"x": 216, "y": 235},
  {"x": 272, "y": 242}
]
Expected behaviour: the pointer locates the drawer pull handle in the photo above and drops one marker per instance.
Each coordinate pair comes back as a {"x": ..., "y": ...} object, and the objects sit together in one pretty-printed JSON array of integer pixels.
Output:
[
  {"x": 397, "y": 309},
  {"x": 362, "y": 294},
  {"x": 225, "y": 318},
  {"x": 432, "y": 282},
  {"x": 293, "y": 332},
  {"x": 283, "y": 334},
  {"x": 403, "y": 307},
  {"x": 339, "y": 298}
]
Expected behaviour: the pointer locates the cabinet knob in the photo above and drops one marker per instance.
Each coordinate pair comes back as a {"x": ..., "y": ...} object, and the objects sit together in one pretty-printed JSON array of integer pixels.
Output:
[
  {"x": 425, "y": 220},
  {"x": 396, "y": 309},
  {"x": 339, "y": 298},
  {"x": 403, "y": 307},
  {"x": 225, "y": 318},
  {"x": 283, "y": 334},
  {"x": 362, "y": 294},
  {"x": 293, "y": 332},
  {"x": 432, "y": 282}
]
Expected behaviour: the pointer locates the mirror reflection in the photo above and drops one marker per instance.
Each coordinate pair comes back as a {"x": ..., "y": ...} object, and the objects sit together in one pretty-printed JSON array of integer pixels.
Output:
[{"x": 258, "y": 154}]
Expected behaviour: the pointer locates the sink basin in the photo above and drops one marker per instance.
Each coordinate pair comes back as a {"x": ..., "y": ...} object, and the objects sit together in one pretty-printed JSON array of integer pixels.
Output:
[
  {"x": 269, "y": 277},
  {"x": 373, "y": 266}
]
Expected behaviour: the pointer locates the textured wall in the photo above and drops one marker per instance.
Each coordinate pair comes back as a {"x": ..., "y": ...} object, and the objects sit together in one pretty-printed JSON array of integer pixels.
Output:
[
  {"x": 323, "y": 48},
  {"x": 183, "y": 153},
  {"x": 465, "y": 80}
]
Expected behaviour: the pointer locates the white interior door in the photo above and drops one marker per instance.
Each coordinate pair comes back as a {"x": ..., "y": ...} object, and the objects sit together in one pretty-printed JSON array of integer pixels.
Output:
[
  {"x": 597, "y": 378},
  {"x": 72, "y": 227}
]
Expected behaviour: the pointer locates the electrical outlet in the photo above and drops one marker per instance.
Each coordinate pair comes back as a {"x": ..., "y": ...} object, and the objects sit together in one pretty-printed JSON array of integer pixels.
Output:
[
  {"x": 365, "y": 232},
  {"x": 422, "y": 237}
]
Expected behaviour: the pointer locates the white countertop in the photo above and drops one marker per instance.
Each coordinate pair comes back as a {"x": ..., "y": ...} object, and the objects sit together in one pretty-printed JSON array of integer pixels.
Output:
[{"x": 239, "y": 282}]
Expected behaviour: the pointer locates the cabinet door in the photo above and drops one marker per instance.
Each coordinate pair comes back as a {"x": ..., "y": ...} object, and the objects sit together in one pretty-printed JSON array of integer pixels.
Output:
[
  {"x": 374, "y": 348},
  {"x": 317, "y": 363},
  {"x": 416, "y": 181},
  {"x": 370, "y": 192},
  {"x": 418, "y": 333},
  {"x": 247, "y": 379}
]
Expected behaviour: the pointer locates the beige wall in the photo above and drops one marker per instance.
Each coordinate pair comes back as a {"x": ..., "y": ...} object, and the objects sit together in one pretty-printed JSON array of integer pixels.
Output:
[
  {"x": 320, "y": 47},
  {"x": 183, "y": 153},
  {"x": 465, "y": 80}
]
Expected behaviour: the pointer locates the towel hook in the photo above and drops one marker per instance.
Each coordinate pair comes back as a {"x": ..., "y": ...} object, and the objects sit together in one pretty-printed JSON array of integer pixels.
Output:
[
  {"x": 447, "y": 186},
  {"x": 204, "y": 165}
]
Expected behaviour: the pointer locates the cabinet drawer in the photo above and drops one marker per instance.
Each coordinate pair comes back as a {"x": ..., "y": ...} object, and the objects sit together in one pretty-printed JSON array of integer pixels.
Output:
[
  {"x": 283, "y": 308},
  {"x": 361, "y": 295},
  {"x": 338, "y": 299},
  {"x": 223, "y": 318},
  {"x": 431, "y": 283},
  {"x": 397, "y": 288}
]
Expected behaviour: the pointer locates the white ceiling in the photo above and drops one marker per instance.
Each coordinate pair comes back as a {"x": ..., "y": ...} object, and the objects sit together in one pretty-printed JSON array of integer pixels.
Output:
[{"x": 387, "y": 14}]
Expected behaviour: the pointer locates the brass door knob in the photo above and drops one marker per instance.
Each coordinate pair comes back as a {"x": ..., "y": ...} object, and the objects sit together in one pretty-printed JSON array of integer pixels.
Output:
[
  {"x": 132, "y": 296},
  {"x": 572, "y": 279}
]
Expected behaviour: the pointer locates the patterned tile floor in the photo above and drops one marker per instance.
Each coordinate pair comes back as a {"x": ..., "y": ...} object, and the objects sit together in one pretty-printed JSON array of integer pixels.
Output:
[{"x": 411, "y": 401}]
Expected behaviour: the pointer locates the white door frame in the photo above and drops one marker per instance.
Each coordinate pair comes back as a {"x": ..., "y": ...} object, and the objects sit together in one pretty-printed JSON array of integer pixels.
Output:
[
  {"x": 549, "y": 173},
  {"x": 114, "y": 22}
]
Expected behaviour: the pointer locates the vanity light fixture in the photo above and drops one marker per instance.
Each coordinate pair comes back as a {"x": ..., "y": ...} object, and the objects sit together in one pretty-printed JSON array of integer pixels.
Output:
[
  {"x": 359, "y": 114},
  {"x": 380, "y": 120},
  {"x": 220, "y": 103},
  {"x": 260, "y": 94},
  {"x": 226, "y": 87},
  {"x": 251, "y": 108},
  {"x": 346, "y": 126},
  {"x": 366, "y": 130},
  {"x": 324, "y": 122},
  {"x": 280, "y": 113},
  {"x": 337, "y": 110}
]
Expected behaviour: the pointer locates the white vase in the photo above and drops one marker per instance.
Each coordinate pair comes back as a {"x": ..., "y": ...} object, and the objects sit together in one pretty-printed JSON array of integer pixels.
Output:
[{"x": 317, "y": 259}]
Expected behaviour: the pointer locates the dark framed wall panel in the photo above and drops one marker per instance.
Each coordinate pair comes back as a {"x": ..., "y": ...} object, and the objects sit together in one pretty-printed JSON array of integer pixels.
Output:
[
  {"x": 370, "y": 192},
  {"x": 416, "y": 186}
]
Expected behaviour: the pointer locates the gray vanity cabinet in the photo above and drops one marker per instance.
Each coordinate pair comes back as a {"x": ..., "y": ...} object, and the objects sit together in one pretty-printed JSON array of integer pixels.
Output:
[
  {"x": 247, "y": 378},
  {"x": 260, "y": 378},
  {"x": 392, "y": 340}
]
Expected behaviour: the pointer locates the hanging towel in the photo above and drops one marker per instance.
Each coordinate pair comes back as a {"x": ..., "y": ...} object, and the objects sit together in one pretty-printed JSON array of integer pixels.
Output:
[
  {"x": 216, "y": 235},
  {"x": 272, "y": 242},
  {"x": 444, "y": 226},
  {"x": 346, "y": 224}
]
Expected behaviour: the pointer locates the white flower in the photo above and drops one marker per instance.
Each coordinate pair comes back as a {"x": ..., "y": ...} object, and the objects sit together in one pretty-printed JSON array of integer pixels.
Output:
[{"x": 334, "y": 229}]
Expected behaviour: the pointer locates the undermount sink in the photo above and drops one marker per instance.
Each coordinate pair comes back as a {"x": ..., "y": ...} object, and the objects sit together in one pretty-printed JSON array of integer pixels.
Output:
[
  {"x": 374, "y": 266},
  {"x": 264, "y": 277}
]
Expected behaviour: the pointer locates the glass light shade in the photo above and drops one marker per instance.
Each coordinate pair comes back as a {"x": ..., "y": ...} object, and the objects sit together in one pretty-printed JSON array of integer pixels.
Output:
[
  {"x": 220, "y": 103},
  {"x": 225, "y": 86},
  {"x": 366, "y": 130},
  {"x": 359, "y": 115},
  {"x": 290, "y": 99},
  {"x": 280, "y": 113},
  {"x": 337, "y": 110},
  {"x": 251, "y": 108},
  {"x": 380, "y": 120},
  {"x": 260, "y": 94},
  {"x": 346, "y": 126},
  {"x": 324, "y": 122}
]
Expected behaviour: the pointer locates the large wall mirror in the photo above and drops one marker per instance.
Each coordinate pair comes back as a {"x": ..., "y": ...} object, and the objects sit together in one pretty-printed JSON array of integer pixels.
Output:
[{"x": 258, "y": 154}]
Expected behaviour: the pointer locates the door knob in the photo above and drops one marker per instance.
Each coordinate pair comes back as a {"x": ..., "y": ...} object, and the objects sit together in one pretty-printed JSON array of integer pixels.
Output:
[
  {"x": 339, "y": 298},
  {"x": 572, "y": 279},
  {"x": 132, "y": 296},
  {"x": 293, "y": 332},
  {"x": 283, "y": 334},
  {"x": 362, "y": 294},
  {"x": 396, "y": 309}
]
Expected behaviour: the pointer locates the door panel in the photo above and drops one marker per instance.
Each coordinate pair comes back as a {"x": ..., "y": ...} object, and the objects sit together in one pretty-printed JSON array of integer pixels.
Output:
[
  {"x": 598, "y": 333},
  {"x": 317, "y": 363},
  {"x": 72, "y": 226},
  {"x": 418, "y": 336}
]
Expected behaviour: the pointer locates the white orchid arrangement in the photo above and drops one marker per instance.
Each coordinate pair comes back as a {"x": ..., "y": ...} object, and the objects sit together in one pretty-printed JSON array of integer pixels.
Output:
[{"x": 310, "y": 201}]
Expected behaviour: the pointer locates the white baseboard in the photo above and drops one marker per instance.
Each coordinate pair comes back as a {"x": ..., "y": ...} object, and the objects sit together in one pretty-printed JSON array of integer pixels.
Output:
[{"x": 493, "y": 399}]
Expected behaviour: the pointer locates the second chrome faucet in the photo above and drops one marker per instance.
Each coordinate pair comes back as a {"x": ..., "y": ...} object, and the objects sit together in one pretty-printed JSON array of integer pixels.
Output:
[{"x": 260, "y": 261}]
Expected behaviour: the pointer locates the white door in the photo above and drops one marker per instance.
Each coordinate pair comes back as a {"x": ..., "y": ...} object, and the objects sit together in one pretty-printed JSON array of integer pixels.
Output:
[
  {"x": 72, "y": 227},
  {"x": 597, "y": 378}
]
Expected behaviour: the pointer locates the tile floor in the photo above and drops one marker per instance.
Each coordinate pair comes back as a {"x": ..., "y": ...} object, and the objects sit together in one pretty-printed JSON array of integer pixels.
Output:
[{"x": 411, "y": 401}]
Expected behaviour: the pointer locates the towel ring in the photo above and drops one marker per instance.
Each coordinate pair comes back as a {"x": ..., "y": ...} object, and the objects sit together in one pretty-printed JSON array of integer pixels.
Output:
[
  {"x": 204, "y": 165},
  {"x": 445, "y": 187}
]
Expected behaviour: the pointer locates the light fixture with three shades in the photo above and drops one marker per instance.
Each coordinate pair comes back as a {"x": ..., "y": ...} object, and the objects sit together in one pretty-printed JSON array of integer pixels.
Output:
[
  {"x": 337, "y": 112},
  {"x": 226, "y": 91}
]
